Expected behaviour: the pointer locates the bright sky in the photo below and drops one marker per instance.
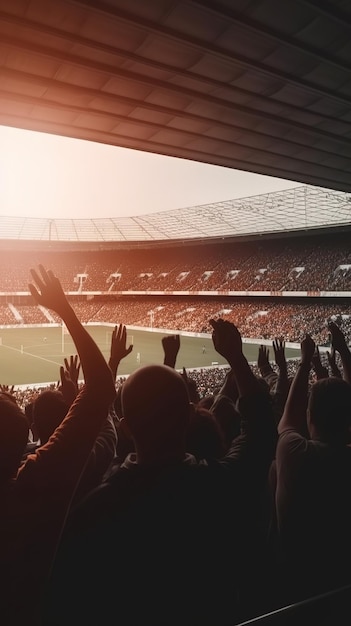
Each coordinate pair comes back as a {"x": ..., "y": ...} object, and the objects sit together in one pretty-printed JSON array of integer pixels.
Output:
[{"x": 44, "y": 175}]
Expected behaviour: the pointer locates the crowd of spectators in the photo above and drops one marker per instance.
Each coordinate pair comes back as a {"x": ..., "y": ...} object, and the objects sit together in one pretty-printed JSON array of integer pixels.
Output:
[
  {"x": 256, "y": 320},
  {"x": 313, "y": 263},
  {"x": 260, "y": 319},
  {"x": 168, "y": 497}
]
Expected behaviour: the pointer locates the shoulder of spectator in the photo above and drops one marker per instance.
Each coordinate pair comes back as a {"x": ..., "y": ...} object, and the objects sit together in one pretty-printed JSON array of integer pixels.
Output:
[
  {"x": 60, "y": 461},
  {"x": 290, "y": 441}
]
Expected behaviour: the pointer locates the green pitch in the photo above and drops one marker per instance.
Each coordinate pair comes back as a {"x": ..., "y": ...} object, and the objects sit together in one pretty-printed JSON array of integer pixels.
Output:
[{"x": 34, "y": 355}]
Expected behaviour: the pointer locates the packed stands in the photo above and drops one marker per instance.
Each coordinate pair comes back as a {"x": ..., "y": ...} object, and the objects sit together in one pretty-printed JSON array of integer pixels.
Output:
[{"x": 319, "y": 263}]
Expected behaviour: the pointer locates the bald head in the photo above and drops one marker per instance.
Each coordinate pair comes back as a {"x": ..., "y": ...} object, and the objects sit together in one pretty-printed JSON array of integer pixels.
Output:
[{"x": 155, "y": 405}]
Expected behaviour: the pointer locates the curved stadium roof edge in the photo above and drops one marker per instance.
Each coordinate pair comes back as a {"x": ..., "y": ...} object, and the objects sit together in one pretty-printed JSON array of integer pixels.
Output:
[{"x": 299, "y": 208}]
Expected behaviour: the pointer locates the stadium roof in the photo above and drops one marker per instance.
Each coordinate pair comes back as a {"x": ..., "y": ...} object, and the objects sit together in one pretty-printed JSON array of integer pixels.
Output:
[
  {"x": 298, "y": 209},
  {"x": 259, "y": 85}
]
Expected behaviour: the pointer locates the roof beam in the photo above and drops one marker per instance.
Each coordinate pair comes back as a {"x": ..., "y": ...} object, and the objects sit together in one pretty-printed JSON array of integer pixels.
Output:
[{"x": 208, "y": 48}]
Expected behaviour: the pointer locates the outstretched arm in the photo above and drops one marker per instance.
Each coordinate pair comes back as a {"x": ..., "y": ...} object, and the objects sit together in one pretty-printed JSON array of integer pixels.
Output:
[
  {"x": 331, "y": 356},
  {"x": 50, "y": 476},
  {"x": 339, "y": 344},
  {"x": 279, "y": 355},
  {"x": 48, "y": 292},
  {"x": 294, "y": 416},
  {"x": 69, "y": 446},
  {"x": 256, "y": 444},
  {"x": 227, "y": 342}
]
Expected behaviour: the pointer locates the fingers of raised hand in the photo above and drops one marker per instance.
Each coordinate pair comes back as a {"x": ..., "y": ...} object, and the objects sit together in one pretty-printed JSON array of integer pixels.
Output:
[
  {"x": 44, "y": 280},
  {"x": 171, "y": 341},
  {"x": 308, "y": 345},
  {"x": 278, "y": 344},
  {"x": 34, "y": 292},
  {"x": 63, "y": 375},
  {"x": 37, "y": 279},
  {"x": 213, "y": 323},
  {"x": 128, "y": 351},
  {"x": 120, "y": 333}
]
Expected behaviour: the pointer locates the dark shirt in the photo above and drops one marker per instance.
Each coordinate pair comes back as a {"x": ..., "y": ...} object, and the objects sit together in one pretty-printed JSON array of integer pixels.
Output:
[
  {"x": 167, "y": 545},
  {"x": 34, "y": 506},
  {"x": 313, "y": 503}
]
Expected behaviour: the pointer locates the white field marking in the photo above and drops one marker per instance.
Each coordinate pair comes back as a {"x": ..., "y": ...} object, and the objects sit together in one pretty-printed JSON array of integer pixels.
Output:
[
  {"x": 35, "y": 356},
  {"x": 40, "y": 345}
]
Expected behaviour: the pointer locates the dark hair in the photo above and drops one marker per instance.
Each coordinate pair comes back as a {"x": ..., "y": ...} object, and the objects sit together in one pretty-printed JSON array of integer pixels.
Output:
[
  {"x": 330, "y": 409},
  {"x": 155, "y": 405},
  {"x": 49, "y": 410}
]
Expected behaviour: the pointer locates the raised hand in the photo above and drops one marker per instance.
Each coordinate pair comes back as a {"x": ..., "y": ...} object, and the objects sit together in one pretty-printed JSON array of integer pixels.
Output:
[
  {"x": 171, "y": 345},
  {"x": 119, "y": 348},
  {"x": 72, "y": 367},
  {"x": 338, "y": 340},
  {"x": 279, "y": 353},
  {"x": 307, "y": 349},
  {"x": 321, "y": 371},
  {"x": 67, "y": 387},
  {"x": 263, "y": 363},
  {"x": 226, "y": 340},
  {"x": 48, "y": 291},
  {"x": 331, "y": 356},
  {"x": 263, "y": 357},
  {"x": 7, "y": 389},
  {"x": 295, "y": 410}
]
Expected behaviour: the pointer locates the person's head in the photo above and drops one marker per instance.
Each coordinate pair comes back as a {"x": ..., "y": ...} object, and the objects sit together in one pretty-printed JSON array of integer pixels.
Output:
[
  {"x": 204, "y": 435},
  {"x": 13, "y": 437},
  {"x": 49, "y": 409},
  {"x": 156, "y": 409},
  {"x": 329, "y": 410}
]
